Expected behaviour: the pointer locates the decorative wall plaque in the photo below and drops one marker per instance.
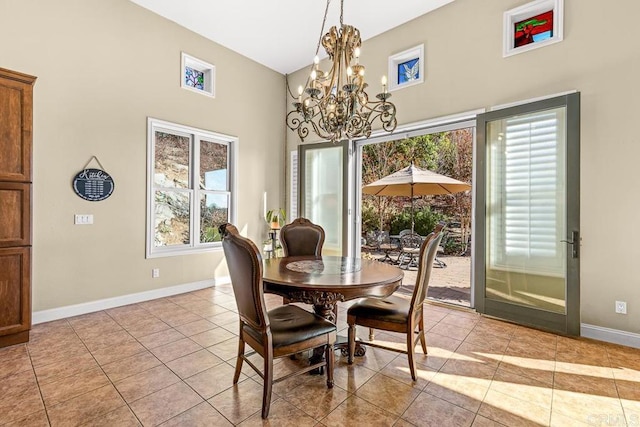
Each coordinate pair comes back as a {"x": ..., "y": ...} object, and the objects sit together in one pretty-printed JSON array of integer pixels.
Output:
[{"x": 93, "y": 184}]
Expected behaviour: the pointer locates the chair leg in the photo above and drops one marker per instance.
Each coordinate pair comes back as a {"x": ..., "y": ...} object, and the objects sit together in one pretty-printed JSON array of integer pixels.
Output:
[
  {"x": 239, "y": 360},
  {"x": 330, "y": 358},
  {"x": 268, "y": 382},
  {"x": 411, "y": 353},
  {"x": 372, "y": 334},
  {"x": 351, "y": 338},
  {"x": 423, "y": 339},
  {"x": 399, "y": 260}
]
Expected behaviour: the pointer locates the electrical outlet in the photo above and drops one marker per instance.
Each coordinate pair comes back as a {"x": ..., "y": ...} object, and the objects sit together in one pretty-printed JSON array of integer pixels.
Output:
[
  {"x": 155, "y": 273},
  {"x": 621, "y": 307}
]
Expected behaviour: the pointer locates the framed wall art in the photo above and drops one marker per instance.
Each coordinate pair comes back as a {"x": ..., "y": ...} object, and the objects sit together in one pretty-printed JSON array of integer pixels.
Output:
[
  {"x": 532, "y": 25},
  {"x": 197, "y": 75},
  {"x": 406, "y": 68}
]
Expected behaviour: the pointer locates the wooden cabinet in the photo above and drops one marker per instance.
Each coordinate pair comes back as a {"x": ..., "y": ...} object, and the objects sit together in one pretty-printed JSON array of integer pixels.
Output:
[
  {"x": 15, "y": 214},
  {"x": 15, "y": 295},
  {"x": 16, "y": 122}
]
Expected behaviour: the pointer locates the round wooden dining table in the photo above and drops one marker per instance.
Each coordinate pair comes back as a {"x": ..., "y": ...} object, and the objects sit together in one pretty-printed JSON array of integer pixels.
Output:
[{"x": 323, "y": 281}]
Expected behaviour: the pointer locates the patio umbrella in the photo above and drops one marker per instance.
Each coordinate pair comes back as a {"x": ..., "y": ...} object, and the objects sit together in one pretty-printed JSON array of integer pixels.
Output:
[{"x": 413, "y": 181}]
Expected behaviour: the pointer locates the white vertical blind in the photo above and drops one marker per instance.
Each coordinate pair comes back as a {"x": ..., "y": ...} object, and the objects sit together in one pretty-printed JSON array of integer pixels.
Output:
[
  {"x": 293, "y": 187},
  {"x": 528, "y": 191}
]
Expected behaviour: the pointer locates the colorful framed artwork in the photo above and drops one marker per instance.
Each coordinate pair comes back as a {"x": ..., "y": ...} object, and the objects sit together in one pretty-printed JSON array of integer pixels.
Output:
[
  {"x": 406, "y": 68},
  {"x": 533, "y": 25},
  {"x": 197, "y": 75}
]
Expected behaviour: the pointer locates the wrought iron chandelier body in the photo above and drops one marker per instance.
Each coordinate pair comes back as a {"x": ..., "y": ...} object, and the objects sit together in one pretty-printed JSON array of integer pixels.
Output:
[{"x": 334, "y": 103}]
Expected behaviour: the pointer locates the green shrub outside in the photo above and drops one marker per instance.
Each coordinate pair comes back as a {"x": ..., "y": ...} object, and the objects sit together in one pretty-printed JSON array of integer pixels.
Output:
[
  {"x": 370, "y": 220},
  {"x": 453, "y": 247},
  {"x": 425, "y": 221}
]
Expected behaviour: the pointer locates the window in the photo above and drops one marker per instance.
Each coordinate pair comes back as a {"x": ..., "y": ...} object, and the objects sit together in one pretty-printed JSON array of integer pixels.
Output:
[{"x": 190, "y": 188}]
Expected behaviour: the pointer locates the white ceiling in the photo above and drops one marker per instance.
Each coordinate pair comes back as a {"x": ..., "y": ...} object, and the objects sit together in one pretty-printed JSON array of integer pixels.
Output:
[{"x": 283, "y": 34}]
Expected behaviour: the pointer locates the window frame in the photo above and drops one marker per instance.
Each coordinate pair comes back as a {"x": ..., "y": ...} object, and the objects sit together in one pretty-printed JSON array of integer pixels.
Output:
[{"x": 196, "y": 136}]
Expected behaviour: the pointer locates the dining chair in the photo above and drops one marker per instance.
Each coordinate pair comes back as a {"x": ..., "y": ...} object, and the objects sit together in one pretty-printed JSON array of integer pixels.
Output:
[
  {"x": 302, "y": 237},
  {"x": 395, "y": 313},
  {"x": 279, "y": 332}
]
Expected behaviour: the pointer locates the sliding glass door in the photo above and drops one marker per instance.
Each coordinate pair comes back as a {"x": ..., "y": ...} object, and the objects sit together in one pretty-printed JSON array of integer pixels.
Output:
[{"x": 323, "y": 192}]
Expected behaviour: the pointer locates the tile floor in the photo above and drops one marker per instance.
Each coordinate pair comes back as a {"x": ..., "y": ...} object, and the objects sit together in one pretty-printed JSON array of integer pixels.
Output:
[
  {"x": 451, "y": 284},
  {"x": 170, "y": 362}
]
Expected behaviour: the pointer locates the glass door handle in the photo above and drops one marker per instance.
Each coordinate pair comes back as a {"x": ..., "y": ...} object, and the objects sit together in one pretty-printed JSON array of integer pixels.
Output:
[{"x": 575, "y": 243}]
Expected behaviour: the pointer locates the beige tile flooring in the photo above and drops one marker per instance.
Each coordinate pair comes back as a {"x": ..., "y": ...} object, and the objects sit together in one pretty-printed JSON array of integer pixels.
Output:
[
  {"x": 170, "y": 362},
  {"x": 451, "y": 284}
]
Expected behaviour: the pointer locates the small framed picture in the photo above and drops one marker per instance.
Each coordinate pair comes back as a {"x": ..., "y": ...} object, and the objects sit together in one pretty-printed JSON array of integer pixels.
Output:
[
  {"x": 197, "y": 75},
  {"x": 406, "y": 68},
  {"x": 532, "y": 25}
]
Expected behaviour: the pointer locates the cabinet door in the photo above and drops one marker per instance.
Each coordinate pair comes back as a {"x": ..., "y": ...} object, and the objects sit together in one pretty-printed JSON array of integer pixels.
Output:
[
  {"x": 15, "y": 301},
  {"x": 16, "y": 92},
  {"x": 15, "y": 214}
]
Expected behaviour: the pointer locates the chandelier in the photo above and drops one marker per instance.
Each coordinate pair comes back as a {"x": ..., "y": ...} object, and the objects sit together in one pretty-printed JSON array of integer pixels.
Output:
[{"x": 333, "y": 103}]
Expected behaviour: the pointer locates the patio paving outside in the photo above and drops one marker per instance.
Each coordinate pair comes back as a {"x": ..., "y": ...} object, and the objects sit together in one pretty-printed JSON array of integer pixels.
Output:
[{"x": 451, "y": 284}]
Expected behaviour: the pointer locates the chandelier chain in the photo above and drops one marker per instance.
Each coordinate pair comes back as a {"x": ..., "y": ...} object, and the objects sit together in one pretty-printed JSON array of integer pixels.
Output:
[{"x": 324, "y": 21}]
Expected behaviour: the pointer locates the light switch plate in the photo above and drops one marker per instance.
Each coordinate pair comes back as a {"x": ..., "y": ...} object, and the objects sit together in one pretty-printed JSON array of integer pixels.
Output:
[{"x": 83, "y": 219}]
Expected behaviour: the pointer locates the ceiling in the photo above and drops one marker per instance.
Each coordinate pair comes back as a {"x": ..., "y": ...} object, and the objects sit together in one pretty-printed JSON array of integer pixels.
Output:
[{"x": 283, "y": 34}]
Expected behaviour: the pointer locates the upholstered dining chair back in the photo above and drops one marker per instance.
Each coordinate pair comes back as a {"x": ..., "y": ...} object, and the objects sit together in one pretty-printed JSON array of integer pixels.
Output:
[
  {"x": 302, "y": 237},
  {"x": 245, "y": 270},
  {"x": 428, "y": 252}
]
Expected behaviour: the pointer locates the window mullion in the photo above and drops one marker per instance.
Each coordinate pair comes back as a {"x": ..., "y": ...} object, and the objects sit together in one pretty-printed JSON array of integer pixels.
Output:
[{"x": 195, "y": 186}]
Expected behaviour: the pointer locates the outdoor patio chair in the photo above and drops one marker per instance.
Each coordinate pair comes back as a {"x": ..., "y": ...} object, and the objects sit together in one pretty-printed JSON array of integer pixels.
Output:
[
  {"x": 409, "y": 249},
  {"x": 379, "y": 241},
  {"x": 403, "y": 232},
  {"x": 386, "y": 246},
  {"x": 438, "y": 262},
  {"x": 370, "y": 242},
  {"x": 395, "y": 313}
]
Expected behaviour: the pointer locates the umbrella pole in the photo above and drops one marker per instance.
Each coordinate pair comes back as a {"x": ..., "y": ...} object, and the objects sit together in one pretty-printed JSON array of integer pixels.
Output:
[
  {"x": 412, "y": 220},
  {"x": 380, "y": 211}
]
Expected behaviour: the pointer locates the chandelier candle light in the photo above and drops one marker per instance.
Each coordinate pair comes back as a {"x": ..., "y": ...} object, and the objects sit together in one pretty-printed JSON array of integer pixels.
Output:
[{"x": 334, "y": 103}]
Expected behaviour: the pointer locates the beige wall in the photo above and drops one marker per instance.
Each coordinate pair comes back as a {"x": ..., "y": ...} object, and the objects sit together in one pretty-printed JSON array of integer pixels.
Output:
[
  {"x": 600, "y": 57},
  {"x": 103, "y": 67}
]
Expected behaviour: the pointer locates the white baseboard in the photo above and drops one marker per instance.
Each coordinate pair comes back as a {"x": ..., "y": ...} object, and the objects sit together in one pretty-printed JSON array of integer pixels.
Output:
[
  {"x": 103, "y": 304},
  {"x": 614, "y": 336}
]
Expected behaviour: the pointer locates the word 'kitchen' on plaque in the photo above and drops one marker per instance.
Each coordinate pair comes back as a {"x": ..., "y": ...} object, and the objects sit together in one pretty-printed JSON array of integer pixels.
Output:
[{"x": 93, "y": 184}]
